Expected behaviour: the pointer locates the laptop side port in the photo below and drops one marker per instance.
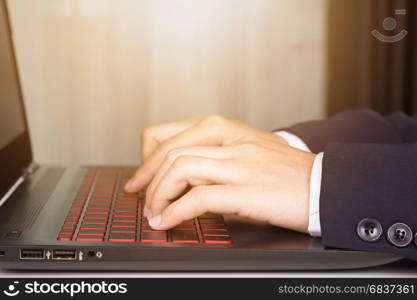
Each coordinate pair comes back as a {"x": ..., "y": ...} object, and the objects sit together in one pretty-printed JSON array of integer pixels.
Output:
[
  {"x": 63, "y": 254},
  {"x": 32, "y": 254}
]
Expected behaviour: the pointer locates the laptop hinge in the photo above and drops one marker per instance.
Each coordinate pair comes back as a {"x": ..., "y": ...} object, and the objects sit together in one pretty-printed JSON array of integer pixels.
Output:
[{"x": 29, "y": 170}]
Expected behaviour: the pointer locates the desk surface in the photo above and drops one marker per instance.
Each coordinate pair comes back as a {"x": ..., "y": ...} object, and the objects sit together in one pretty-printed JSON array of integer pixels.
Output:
[{"x": 403, "y": 268}]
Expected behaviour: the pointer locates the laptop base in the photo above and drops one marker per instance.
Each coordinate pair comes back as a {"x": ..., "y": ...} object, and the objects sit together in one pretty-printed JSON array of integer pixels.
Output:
[{"x": 33, "y": 244}]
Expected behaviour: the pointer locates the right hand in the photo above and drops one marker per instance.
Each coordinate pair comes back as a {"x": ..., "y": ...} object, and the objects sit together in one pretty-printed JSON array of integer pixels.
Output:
[
  {"x": 211, "y": 130},
  {"x": 256, "y": 179}
]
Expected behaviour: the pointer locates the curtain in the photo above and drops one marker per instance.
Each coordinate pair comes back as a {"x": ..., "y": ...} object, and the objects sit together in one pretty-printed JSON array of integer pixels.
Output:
[{"x": 367, "y": 71}]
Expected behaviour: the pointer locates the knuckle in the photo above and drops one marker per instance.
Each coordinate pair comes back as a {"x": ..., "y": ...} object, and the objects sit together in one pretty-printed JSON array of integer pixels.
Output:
[
  {"x": 199, "y": 193},
  {"x": 181, "y": 162},
  {"x": 172, "y": 154},
  {"x": 214, "y": 120},
  {"x": 215, "y": 124}
]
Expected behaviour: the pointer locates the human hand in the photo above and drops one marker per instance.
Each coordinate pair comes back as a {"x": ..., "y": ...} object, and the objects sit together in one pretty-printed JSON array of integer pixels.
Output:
[
  {"x": 212, "y": 130},
  {"x": 257, "y": 177}
]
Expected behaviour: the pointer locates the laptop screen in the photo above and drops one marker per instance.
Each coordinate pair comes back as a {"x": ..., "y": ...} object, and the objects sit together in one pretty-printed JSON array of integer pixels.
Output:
[{"x": 15, "y": 153}]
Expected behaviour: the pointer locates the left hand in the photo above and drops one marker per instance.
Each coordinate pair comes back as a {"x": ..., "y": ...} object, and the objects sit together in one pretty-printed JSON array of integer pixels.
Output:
[{"x": 256, "y": 178}]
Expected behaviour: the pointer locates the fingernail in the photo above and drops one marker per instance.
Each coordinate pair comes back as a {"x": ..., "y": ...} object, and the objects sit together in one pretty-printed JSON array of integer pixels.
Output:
[
  {"x": 128, "y": 184},
  {"x": 155, "y": 221}
]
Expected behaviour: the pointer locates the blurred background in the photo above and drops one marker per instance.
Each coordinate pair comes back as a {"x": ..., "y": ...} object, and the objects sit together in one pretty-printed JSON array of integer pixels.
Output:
[{"x": 96, "y": 72}]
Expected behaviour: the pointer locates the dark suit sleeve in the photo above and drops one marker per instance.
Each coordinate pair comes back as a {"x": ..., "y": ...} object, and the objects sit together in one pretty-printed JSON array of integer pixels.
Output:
[
  {"x": 376, "y": 181},
  {"x": 369, "y": 172},
  {"x": 357, "y": 126}
]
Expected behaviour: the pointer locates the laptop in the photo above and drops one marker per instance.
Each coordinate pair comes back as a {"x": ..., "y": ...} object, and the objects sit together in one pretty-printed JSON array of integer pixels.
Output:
[{"x": 79, "y": 218}]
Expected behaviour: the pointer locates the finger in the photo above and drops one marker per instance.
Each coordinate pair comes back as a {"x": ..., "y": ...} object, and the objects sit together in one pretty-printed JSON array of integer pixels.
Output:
[
  {"x": 194, "y": 136},
  {"x": 219, "y": 199},
  {"x": 170, "y": 158},
  {"x": 191, "y": 171},
  {"x": 153, "y": 136}
]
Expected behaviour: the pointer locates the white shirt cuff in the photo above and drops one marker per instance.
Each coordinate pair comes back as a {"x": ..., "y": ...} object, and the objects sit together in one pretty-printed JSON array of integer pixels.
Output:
[
  {"x": 314, "y": 227},
  {"x": 293, "y": 140}
]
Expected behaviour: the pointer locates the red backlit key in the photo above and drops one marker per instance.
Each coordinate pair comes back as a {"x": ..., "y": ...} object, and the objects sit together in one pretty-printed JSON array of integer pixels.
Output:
[
  {"x": 87, "y": 221},
  {"x": 105, "y": 204},
  {"x": 121, "y": 237},
  {"x": 215, "y": 231},
  {"x": 125, "y": 211},
  {"x": 186, "y": 224},
  {"x": 125, "y": 215},
  {"x": 122, "y": 231},
  {"x": 153, "y": 237},
  {"x": 98, "y": 208},
  {"x": 96, "y": 213},
  {"x": 123, "y": 226},
  {"x": 125, "y": 220},
  {"x": 64, "y": 237},
  {"x": 184, "y": 236},
  {"x": 132, "y": 205},
  {"x": 125, "y": 207},
  {"x": 208, "y": 235},
  {"x": 70, "y": 227},
  {"x": 212, "y": 226},
  {"x": 151, "y": 230},
  {"x": 99, "y": 203},
  {"x": 89, "y": 218},
  {"x": 90, "y": 232},
  {"x": 217, "y": 239},
  {"x": 93, "y": 227},
  {"x": 89, "y": 239}
]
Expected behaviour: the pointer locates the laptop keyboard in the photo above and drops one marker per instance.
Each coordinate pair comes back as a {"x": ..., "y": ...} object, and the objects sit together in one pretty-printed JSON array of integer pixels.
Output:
[{"x": 102, "y": 212}]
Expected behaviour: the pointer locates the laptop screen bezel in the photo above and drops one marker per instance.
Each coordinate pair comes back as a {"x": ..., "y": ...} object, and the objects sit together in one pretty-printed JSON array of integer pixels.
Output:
[{"x": 17, "y": 155}]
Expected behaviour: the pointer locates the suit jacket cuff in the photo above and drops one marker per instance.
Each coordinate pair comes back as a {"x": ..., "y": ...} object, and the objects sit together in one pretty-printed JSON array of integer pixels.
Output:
[{"x": 368, "y": 181}]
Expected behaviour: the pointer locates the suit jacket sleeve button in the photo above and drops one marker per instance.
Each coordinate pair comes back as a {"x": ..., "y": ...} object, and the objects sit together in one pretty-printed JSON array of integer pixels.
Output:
[
  {"x": 400, "y": 235},
  {"x": 369, "y": 230}
]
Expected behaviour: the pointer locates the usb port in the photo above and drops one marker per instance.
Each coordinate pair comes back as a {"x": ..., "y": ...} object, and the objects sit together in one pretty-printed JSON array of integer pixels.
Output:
[
  {"x": 63, "y": 254},
  {"x": 34, "y": 254}
]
